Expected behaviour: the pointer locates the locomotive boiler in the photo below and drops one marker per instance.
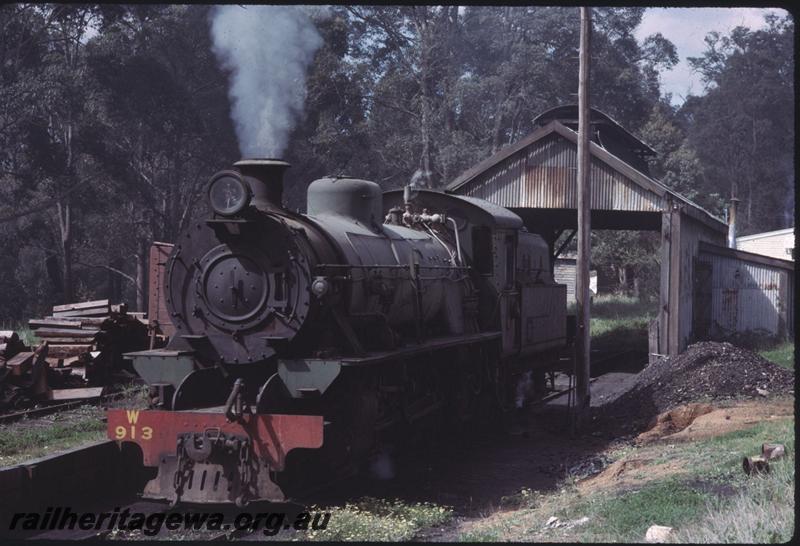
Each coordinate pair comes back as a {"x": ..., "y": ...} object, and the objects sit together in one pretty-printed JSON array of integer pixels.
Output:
[{"x": 303, "y": 340}]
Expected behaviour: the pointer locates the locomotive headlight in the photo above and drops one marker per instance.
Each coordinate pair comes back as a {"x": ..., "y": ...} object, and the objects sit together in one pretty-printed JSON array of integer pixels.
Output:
[{"x": 228, "y": 194}]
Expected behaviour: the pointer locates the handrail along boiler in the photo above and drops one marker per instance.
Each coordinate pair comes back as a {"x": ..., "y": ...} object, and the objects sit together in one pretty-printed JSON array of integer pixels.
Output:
[{"x": 303, "y": 339}]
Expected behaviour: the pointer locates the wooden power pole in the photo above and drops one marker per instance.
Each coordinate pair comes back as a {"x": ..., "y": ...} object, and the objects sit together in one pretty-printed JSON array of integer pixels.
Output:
[{"x": 582, "y": 339}]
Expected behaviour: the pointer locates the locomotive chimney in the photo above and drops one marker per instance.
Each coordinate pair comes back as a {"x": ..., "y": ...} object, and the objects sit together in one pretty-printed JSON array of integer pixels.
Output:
[{"x": 265, "y": 178}]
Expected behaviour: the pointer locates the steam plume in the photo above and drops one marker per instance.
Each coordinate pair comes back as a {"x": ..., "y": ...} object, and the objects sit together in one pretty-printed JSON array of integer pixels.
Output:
[{"x": 268, "y": 50}]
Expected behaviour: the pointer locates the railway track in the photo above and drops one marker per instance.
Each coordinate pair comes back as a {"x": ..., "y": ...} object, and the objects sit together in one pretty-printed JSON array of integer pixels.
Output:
[{"x": 55, "y": 408}]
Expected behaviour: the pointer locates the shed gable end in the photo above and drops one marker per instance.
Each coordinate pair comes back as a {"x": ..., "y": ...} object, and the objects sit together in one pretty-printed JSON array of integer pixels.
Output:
[{"x": 544, "y": 175}]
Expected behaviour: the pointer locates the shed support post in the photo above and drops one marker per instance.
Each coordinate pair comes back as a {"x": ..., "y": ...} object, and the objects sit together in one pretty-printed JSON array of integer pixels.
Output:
[
  {"x": 663, "y": 296},
  {"x": 583, "y": 334}
]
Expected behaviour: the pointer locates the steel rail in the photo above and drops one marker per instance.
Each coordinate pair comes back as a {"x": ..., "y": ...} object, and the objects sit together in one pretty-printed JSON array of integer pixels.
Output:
[{"x": 55, "y": 408}]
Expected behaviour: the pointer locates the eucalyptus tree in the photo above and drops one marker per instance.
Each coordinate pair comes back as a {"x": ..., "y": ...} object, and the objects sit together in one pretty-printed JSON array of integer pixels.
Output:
[
  {"x": 46, "y": 106},
  {"x": 164, "y": 127},
  {"x": 743, "y": 126}
]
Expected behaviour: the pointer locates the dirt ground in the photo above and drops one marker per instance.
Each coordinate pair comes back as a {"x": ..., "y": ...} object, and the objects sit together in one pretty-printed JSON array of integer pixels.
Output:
[
  {"x": 473, "y": 475},
  {"x": 588, "y": 461},
  {"x": 698, "y": 421},
  {"x": 686, "y": 423},
  {"x": 693, "y": 397}
]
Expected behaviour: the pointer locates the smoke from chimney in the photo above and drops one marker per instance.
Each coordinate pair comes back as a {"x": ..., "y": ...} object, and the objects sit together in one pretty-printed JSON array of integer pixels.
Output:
[{"x": 268, "y": 50}]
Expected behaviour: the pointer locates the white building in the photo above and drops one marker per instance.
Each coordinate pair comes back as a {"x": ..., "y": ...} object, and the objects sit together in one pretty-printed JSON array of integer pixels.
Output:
[
  {"x": 565, "y": 272},
  {"x": 776, "y": 244}
]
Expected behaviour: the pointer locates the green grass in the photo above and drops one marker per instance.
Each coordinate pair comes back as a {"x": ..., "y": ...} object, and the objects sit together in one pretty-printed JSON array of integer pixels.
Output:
[
  {"x": 620, "y": 322},
  {"x": 614, "y": 306},
  {"x": 27, "y": 336},
  {"x": 626, "y": 517},
  {"x": 720, "y": 457},
  {"x": 486, "y": 535},
  {"x": 762, "y": 512},
  {"x": 380, "y": 520},
  {"x": 23, "y": 331},
  {"x": 708, "y": 499},
  {"x": 25, "y": 440},
  {"x": 782, "y": 355}
]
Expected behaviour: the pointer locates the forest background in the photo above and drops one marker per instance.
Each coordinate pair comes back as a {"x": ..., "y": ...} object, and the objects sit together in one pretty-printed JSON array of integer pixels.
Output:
[{"x": 113, "y": 118}]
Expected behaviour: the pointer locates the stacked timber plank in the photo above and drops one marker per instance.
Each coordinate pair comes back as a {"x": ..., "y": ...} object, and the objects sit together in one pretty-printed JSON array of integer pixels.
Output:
[
  {"x": 73, "y": 329},
  {"x": 67, "y": 338},
  {"x": 82, "y": 346}
]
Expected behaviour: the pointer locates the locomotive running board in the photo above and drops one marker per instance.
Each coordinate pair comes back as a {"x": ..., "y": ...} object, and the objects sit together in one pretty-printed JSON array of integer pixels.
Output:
[{"x": 433, "y": 344}]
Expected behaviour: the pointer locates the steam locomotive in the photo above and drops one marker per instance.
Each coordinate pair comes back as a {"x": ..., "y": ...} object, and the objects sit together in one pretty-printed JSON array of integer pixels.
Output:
[{"x": 303, "y": 340}]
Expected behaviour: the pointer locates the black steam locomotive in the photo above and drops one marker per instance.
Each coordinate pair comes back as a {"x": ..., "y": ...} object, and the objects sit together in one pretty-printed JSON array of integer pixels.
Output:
[{"x": 303, "y": 339}]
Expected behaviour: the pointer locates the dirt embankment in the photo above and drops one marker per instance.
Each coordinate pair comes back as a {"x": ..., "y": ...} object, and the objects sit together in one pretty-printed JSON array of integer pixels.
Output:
[{"x": 706, "y": 371}]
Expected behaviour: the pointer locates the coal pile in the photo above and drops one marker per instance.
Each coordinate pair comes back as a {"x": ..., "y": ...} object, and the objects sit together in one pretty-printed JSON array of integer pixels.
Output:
[{"x": 705, "y": 371}]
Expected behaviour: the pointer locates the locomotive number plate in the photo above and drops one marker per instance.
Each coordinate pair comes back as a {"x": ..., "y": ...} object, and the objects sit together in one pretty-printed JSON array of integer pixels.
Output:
[{"x": 130, "y": 431}]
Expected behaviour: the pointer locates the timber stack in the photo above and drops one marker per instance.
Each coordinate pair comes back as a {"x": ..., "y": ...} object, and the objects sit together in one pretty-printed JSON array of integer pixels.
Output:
[
  {"x": 92, "y": 335},
  {"x": 80, "y": 354}
]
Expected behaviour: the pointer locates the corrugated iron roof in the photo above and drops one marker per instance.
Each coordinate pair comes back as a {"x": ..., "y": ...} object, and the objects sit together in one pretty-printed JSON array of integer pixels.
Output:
[{"x": 596, "y": 151}]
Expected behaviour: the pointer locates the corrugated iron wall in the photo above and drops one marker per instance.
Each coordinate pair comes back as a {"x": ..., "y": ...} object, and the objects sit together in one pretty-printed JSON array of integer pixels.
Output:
[
  {"x": 689, "y": 236},
  {"x": 749, "y": 297},
  {"x": 544, "y": 176}
]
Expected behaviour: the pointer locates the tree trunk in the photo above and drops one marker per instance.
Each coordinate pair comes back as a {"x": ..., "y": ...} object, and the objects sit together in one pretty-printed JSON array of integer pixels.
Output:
[
  {"x": 65, "y": 230},
  {"x": 497, "y": 126},
  {"x": 425, "y": 129},
  {"x": 423, "y": 29},
  {"x": 67, "y": 253},
  {"x": 115, "y": 281}
]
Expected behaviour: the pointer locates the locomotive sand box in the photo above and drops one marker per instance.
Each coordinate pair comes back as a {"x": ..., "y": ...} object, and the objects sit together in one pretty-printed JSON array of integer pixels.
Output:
[{"x": 302, "y": 339}]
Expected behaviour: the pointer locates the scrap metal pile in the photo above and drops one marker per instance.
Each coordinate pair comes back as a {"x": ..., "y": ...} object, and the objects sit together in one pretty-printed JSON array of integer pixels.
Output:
[{"x": 79, "y": 356}]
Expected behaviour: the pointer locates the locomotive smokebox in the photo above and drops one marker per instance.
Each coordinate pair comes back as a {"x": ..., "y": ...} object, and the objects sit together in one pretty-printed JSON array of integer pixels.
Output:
[{"x": 265, "y": 178}]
